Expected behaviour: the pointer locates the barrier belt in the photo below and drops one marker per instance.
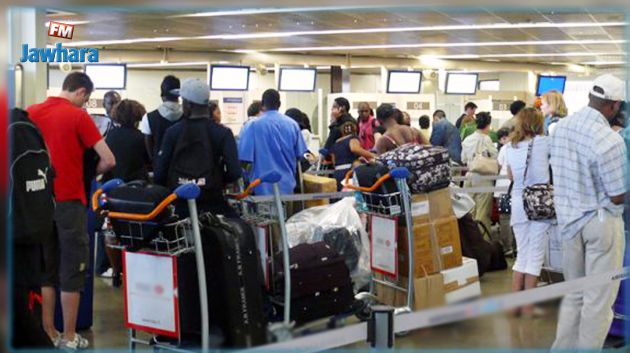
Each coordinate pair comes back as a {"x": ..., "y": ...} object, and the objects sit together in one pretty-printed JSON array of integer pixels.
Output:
[
  {"x": 447, "y": 314},
  {"x": 302, "y": 197}
]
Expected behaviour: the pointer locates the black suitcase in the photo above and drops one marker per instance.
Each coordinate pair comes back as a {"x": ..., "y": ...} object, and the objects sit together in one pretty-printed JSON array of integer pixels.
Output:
[
  {"x": 320, "y": 282},
  {"x": 235, "y": 280},
  {"x": 367, "y": 175},
  {"x": 139, "y": 197},
  {"x": 335, "y": 301}
]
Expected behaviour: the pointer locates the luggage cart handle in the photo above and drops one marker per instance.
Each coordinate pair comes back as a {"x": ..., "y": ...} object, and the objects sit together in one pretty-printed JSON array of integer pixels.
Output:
[
  {"x": 396, "y": 173},
  {"x": 271, "y": 178},
  {"x": 184, "y": 192}
]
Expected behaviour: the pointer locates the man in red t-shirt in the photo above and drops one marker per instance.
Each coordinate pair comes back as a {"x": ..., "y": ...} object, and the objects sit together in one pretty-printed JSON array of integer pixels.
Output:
[{"x": 69, "y": 132}]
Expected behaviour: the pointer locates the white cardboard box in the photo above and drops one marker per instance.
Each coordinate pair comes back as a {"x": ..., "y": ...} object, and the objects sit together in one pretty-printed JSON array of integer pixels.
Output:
[{"x": 462, "y": 283}]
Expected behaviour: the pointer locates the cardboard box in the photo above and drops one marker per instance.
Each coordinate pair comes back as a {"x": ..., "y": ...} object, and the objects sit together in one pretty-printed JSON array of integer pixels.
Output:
[
  {"x": 434, "y": 205},
  {"x": 436, "y": 247},
  {"x": 462, "y": 283},
  {"x": 428, "y": 292},
  {"x": 317, "y": 184}
]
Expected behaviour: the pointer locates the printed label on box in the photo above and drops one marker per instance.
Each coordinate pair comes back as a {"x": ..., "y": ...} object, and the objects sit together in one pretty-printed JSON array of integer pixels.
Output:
[
  {"x": 419, "y": 208},
  {"x": 446, "y": 250}
]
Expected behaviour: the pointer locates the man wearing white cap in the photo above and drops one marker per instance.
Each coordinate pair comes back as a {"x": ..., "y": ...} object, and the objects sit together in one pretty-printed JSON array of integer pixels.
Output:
[
  {"x": 198, "y": 150},
  {"x": 587, "y": 158}
]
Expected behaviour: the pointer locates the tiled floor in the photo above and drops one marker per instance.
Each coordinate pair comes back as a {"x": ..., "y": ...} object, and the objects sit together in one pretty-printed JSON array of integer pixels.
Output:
[{"x": 495, "y": 331}]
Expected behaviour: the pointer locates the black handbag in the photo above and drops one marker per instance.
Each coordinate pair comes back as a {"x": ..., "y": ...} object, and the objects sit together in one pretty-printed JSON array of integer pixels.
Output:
[
  {"x": 505, "y": 201},
  {"x": 537, "y": 198}
]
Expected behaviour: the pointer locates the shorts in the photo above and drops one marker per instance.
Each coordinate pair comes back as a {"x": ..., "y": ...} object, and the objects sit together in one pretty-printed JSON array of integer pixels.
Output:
[
  {"x": 67, "y": 252},
  {"x": 531, "y": 243}
]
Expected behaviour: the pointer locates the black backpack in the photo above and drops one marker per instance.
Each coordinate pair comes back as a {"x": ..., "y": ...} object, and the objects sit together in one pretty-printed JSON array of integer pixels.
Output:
[
  {"x": 31, "y": 181},
  {"x": 193, "y": 158}
]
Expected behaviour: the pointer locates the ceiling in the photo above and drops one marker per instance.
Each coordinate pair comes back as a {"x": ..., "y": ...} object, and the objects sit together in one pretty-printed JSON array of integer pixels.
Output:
[{"x": 579, "y": 37}]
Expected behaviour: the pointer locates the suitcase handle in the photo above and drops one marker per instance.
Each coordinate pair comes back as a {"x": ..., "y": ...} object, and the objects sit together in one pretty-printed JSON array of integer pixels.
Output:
[
  {"x": 185, "y": 192},
  {"x": 271, "y": 178},
  {"x": 396, "y": 173}
]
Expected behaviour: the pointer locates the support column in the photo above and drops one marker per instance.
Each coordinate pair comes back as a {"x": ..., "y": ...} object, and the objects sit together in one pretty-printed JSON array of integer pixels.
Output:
[{"x": 27, "y": 26}]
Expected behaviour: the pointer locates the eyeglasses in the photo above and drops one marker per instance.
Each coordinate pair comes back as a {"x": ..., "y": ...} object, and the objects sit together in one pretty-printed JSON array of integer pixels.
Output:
[{"x": 364, "y": 111}]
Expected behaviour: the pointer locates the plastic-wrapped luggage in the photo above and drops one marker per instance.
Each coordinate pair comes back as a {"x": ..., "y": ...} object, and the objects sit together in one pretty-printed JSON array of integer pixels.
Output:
[
  {"x": 340, "y": 226},
  {"x": 320, "y": 282},
  {"x": 429, "y": 166}
]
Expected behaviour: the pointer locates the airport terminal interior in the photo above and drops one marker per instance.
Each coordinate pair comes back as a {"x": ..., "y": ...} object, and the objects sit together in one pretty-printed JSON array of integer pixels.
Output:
[{"x": 414, "y": 60}]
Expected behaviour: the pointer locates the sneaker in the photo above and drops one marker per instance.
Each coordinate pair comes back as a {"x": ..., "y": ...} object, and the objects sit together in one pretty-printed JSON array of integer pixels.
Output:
[
  {"x": 56, "y": 341},
  {"x": 107, "y": 274},
  {"x": 77, "y": 343}
]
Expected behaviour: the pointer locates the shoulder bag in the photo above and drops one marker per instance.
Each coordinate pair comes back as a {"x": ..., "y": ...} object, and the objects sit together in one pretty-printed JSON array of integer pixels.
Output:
[
  {"x": 482, "y": 164},
  {"x": 537, "y": 198}
]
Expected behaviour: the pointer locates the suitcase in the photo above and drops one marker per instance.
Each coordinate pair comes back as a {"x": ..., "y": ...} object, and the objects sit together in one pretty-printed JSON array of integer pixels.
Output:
[
  {"x": 429, "y": 166},
  {"x": 138, "y": 197},
  {"x": 235, "y": 280},
  {"x": 367, "y": 175},
  {"x": 346, "y": 243},
  {"x": 320, "y": 282}
]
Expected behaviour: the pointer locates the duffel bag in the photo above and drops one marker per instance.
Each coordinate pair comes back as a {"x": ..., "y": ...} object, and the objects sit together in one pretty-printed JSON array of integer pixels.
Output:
[
  {"x": 429, "y": 166},
  {"x": 138, "y": 197}
]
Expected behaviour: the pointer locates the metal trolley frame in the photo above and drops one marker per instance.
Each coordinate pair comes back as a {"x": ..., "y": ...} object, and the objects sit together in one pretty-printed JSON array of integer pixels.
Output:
[
  {"x": 187, "y": 237},
  {"x": 389, "y": 205},
  {"x": 268, "y": 210}
]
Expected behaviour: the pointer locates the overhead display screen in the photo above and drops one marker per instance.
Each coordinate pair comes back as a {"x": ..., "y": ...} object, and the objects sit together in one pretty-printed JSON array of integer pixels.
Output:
[
  {"x": 107, "y": 76},
  {"x": 404, "y": 81},
  {"x": 229, "y": 78},
  {"x": 550, "y": 83},
  {"x": 461, "y": 83},
  {"x": 297, "y": 79}
]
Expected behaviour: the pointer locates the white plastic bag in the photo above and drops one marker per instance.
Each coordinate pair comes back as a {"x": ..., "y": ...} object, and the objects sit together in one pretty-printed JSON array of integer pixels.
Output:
[
  {"x": 462, "y": 202},
  {"x": 312, "y": 224}
]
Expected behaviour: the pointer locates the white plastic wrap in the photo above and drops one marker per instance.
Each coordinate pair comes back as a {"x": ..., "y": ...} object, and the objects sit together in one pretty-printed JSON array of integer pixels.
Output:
[{"x": 310, "y": 225}]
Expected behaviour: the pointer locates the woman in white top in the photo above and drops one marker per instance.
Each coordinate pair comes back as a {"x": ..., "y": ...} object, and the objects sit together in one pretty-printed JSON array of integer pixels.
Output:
[
  {"x": 480, "y": 142},
  {"x": 531, "y": 236}
]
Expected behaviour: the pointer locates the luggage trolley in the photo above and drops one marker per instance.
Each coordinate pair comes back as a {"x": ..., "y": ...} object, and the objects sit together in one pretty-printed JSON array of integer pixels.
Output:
[
  {"x": 390, "y": 205},
  {"x": 264, "y": 214},
  {"x": 178, "y": 237},
  {"x": 264, "y": 211}
]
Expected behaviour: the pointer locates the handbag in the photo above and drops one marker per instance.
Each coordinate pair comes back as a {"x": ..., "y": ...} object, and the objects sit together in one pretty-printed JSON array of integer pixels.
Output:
[
  {"x": 482, "y": 164},
  {"x": 505, "y": 201},
  {"x": 537, "y": 198}
]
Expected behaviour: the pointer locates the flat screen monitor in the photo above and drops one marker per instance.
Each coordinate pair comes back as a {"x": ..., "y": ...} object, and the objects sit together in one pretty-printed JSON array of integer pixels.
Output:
[
  {"x": 297, "y": 79},
  {"x": 461, "y": 83},
  {"x": 229, "y": 78},
  {"x": 404, "y": 81},
  {"x": 550, "y": 83},
  {"x": 107, "y": 76}
]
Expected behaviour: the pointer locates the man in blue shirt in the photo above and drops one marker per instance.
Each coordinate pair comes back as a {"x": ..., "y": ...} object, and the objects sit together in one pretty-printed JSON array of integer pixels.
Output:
[
  {"x": 273, "y": 142},
  {"x": 446, "y": 135}
]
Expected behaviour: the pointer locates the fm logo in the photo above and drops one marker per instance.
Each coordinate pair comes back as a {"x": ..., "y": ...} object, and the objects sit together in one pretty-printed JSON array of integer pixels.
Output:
[{"x": 60, "y": 30}]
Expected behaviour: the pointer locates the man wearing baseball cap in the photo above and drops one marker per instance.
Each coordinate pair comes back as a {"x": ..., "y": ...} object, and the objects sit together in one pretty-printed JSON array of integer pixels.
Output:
[
  {"x": 155, "y": 123},
  {"x": 588, "y": 158},
  {"x": 198, "y": 150}
]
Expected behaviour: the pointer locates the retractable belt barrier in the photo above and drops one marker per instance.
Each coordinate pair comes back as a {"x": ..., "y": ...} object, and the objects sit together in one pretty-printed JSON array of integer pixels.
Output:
[{"x": 447, "y": 314}]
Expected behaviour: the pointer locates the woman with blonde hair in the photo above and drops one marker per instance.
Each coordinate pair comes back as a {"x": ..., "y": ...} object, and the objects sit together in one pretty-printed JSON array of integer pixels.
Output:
[
  {"x": 554, "y": 109},
  {"x": 527, "y": 159}
]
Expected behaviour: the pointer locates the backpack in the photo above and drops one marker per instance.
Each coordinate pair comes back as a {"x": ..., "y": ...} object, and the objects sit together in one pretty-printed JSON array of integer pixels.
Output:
[
  {"x": 193, "y": 158},
  {"x": 158, "y": 125},
  {"x": 32, "y": 202}
]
